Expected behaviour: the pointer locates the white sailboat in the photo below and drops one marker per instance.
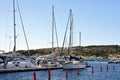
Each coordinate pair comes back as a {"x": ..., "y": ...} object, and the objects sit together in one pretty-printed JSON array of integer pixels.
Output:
[
  {"x": 72, "y": 62},
  {"x": 18, "y": 62},
  {"x": 49, "y": 60}
]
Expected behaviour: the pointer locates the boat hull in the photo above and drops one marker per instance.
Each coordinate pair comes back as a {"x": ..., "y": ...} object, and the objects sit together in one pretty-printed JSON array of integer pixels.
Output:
[{"x": 73, "y": 65}]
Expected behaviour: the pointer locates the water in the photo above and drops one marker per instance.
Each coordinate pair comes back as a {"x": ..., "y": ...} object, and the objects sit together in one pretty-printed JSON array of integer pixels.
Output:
[{"x": 84, "y": 74}]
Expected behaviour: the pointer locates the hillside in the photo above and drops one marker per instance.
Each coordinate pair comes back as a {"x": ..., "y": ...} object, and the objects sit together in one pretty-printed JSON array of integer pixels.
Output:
[{"x": 104, "y": 51}]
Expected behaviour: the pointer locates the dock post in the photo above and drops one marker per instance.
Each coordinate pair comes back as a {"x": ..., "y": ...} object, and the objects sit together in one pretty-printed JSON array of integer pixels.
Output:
[
  {"x": 34, "y": 74},
  {"x": 101, "y": 68},
  {"x": 66, "y": 72},
  {"x": 107, "y": 68},
  {"x": 113, "y": 67},
  {"x": 92, "y": 69},
  {"x": 48, "y": 73},
  {"x": 78, "y": 70}
]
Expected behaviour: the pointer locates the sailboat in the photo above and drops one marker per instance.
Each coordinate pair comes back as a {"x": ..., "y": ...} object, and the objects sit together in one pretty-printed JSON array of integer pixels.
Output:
[
  {"x": 49, "y": 60},
  {"x": 18, "y": 62},
  {"x": 73, "y": 62}
]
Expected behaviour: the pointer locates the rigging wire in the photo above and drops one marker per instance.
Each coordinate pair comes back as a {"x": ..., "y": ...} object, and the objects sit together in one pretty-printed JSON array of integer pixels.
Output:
[
  {"x": 6, "y": 27},
  {"x": 65, "y": 35},
  {"x": 23, "y": 28},
  {"x": 56, "y": 34}
]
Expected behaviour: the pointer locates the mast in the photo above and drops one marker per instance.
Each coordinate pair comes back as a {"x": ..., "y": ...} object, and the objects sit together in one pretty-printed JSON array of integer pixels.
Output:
[
  {"x": 79, "y": 38},
  {"x": 54, "y": 32},
  {"x": 14, "y": 25},
  {"x": 71, "y": 33},
  {"x": 70, "y": 20},
  {"x": 52, "y": 28}
]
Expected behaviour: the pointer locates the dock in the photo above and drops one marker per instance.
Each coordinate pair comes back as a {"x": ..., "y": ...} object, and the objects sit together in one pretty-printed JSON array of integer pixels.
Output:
[{"x": 27, "y": 69}]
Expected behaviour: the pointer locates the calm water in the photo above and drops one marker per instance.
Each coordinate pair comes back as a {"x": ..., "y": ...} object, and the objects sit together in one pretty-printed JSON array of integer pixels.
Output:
[{"x": 85, "y": 74}]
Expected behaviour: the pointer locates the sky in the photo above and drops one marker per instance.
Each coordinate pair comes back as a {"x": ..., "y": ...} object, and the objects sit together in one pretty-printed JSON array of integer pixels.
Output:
[{"x": 97, "y": 20}]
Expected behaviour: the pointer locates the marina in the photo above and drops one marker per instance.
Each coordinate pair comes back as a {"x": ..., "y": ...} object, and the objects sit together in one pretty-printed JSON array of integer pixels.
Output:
[
  {"x": 112, "y": 73},
  {"x": 69, "y": 61}
]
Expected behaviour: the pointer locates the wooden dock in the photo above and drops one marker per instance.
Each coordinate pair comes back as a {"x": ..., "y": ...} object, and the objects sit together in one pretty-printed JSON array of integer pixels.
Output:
[{"x": 27, "y": 69}]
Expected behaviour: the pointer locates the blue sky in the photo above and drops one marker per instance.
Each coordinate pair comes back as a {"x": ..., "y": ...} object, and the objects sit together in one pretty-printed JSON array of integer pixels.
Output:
[{"x": 97, "y": 20}]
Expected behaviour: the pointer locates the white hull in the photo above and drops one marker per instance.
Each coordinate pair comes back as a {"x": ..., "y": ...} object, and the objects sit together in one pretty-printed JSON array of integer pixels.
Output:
[
  {"x": 73, "y": 65},
  {"x": 20, "y": 64},
  {"x": 44, "y": 62},
  {"x": 48, "y": 65}
]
